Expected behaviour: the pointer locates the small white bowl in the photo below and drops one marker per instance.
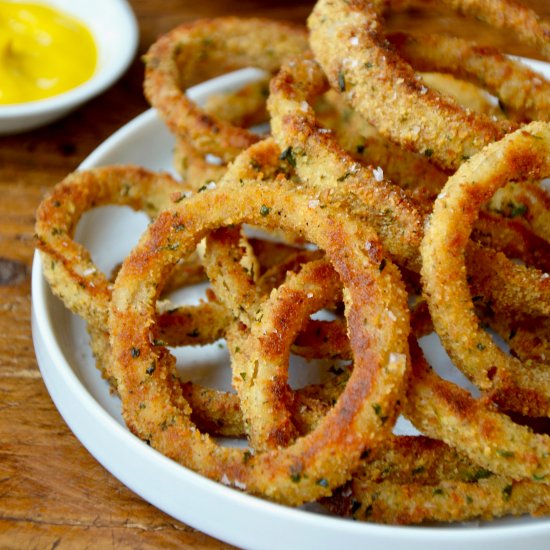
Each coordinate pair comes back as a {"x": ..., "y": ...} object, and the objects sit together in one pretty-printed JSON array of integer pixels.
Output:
[{"x": 115, "y": 31}]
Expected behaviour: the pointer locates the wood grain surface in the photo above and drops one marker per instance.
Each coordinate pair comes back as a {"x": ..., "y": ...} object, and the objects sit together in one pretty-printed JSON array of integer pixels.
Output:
[{"x": 53, "y": 494}]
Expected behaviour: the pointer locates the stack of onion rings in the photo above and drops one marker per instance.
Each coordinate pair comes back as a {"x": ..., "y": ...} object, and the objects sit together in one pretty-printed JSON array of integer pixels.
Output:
[{"x": 330, "y": 187}]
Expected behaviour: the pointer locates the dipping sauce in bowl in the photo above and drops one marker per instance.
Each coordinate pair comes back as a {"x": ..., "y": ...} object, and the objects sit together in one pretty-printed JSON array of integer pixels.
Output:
[{"x": 43, "y": 52}]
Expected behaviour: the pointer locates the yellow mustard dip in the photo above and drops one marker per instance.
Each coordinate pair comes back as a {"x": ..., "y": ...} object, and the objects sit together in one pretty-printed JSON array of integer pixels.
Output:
[{"x": 43, "y": 52}]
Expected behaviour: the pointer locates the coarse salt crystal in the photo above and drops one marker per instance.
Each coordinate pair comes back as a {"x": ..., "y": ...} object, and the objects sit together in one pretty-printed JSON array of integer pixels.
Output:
[
  {"x": 213, "y": 159},
  {"x": 378, "y": 174},
  {"x": 304, "y": 106},
  {"x": 396, "y": 357},
  {"x": 354, "y": 40},
  {"x": 423, "y": 90},
  {"x": 225, "y": 480},
  {"x": 314, "y": 203},
  {"x": 211, "y": 185},
  {"x": 239, "y": 485},
  {"x": 310, "y": 294},
  {"x": 391, "y": 315}
]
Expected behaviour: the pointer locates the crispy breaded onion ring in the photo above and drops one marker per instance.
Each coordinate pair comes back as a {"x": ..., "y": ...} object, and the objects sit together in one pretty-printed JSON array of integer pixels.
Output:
[
  {"x": 446, "y": 501},
  {"x": 410, "y": 170},
  {"x": 68, "y": 266},
  {"x": 349, "y": 43},
  {"x": 361, "y": 189},
  {"x": 445, "y": 411},
  {"x": 526, "y": 152},
  {"x": 527, "y": 203},
  {"x": 153, "y": 405},
  {"x": 522, "y": 92},
  {"x": 231, "y": 268},
  {"x": 203, "y": 49},
  {"x": 509, "y": 15},
  {"x": 418, "y": 480},
  {"x": 421, "y": 179},
  {"x": 344, "y": 181},
  {"x": 266, "y": 397}
]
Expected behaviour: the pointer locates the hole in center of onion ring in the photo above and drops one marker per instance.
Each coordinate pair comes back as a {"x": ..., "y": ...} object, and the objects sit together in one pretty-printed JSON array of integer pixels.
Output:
[{"x": 97, "y": 226}]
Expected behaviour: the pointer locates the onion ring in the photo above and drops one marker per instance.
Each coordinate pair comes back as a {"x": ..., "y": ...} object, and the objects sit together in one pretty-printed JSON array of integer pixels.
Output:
[
  {"x": 491, "y": 439},
  {"x": 412, "y": 172},
  {"x": 526, "y": 151},
  {"x": 522, "y": 92},
  {"x": 417, "y": 479},
  {"x": 360, "y": 189},
  {"x": 68, "y": 266},
  {"x": 266, "y": 397},
  {"x": 446, "y": 501},
  {"x": 399, "y": 224},
  {"x": 423, "y": 181},
  {"x": 348, "y": 42},
  {"x": 502, "y": 14},
  {"x": 222, "y": 45},
  {"x": 292, "y": 474}
]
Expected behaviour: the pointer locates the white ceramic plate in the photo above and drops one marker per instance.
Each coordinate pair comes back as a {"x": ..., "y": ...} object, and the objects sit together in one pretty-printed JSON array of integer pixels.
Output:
[{"x": 93, "y": 414}]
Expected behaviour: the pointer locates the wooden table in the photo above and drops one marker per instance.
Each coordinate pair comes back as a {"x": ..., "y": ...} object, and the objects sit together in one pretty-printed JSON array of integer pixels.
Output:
[{"x": 53, "y": 494}]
